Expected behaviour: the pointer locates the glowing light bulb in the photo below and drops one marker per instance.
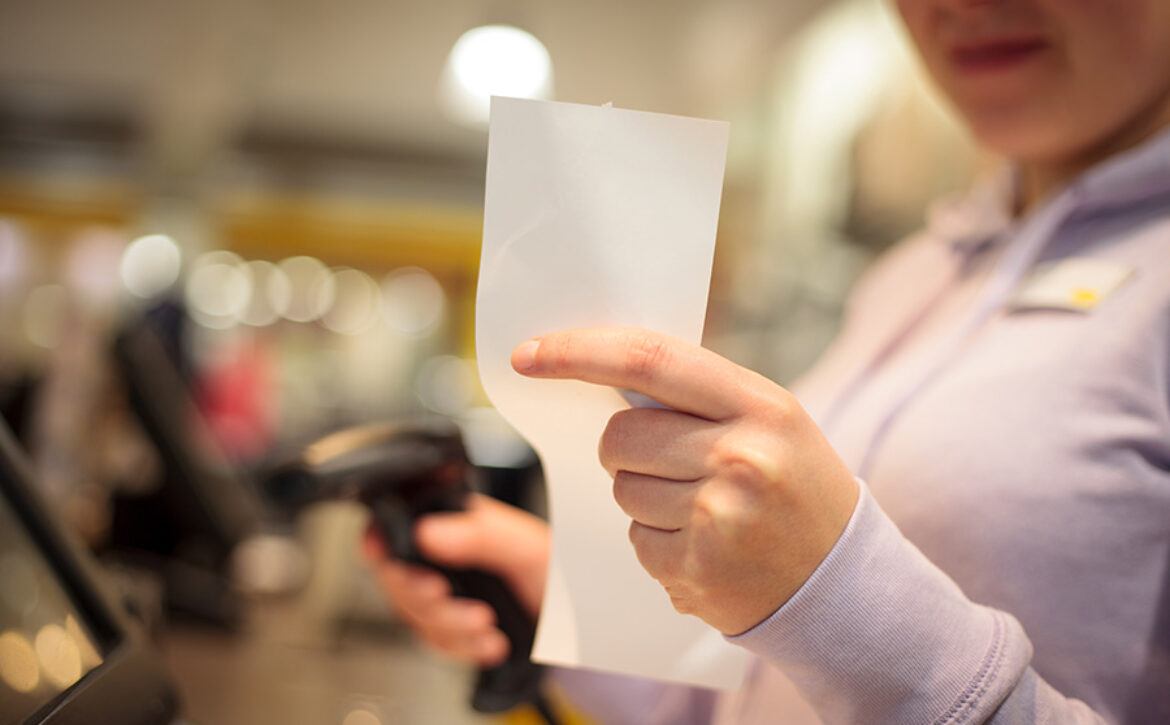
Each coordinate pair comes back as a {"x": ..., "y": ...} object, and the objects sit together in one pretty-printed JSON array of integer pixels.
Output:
[
  {"x": 218, "y": 289},
  {"x": 494, "y": 60},
  {"x": 310, "y": 292},
  {"x": 59, "y": 655},
  {"x": 268, "y": 294},
  {"x": 150, "y": 265},
  {"x": 412, "y": 302},
  {"x": 18, "y": 662},
  {"x": 355, "y": 303}
]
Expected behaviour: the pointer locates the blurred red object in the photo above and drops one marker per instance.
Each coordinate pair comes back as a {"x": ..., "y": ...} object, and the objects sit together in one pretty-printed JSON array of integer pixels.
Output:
[{"x": 236, "y": 395}]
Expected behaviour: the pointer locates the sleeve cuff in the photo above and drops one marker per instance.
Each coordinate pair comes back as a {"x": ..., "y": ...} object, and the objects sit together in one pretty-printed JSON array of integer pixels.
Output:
[{"x": 880, "y": 634}]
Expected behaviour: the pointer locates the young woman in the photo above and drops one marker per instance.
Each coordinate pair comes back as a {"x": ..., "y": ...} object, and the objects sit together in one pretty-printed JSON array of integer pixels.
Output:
[{"x": 962, "y": 514}]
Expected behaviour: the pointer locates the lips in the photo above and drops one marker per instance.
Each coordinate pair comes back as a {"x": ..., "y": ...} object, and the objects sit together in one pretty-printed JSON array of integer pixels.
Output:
[{"x": 996, "y": 55}]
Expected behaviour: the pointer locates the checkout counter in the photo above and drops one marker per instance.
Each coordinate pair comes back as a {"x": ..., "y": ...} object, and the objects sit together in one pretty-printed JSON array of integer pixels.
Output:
[{"x": 221, "y": 631}]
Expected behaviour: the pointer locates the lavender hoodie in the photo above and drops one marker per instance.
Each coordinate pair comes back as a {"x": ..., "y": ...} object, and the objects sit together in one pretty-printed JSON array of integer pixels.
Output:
[{"x": 1009, "y": 557}]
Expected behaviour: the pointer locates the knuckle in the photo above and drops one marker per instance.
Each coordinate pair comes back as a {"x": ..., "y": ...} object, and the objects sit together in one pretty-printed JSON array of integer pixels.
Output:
[
  {"x": 743, "y": 464},
  {"x": 610, "y": 442},
  {"x": 785, "y": 410},
  {"x": 555, "y": 350},
  {"x": 657, "y": 564},
  {"x": 710, "y": 506},
  {"x": 636, "y": 536},
  {"x": 645, "y": 357},
  {"x": 681, "y": 599},
  {"x": 623, "y": 492},
  {"x": 721, "y": 517},
  {"x": 562, "y": 352}
]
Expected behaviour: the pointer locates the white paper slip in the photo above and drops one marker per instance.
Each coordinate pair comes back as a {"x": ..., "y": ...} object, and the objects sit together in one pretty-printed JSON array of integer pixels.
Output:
[{"x": 597, "y": 216}]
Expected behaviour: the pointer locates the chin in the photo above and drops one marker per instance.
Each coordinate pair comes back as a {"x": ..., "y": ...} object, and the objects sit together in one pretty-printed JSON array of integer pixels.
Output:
[{"x": 1028, "y": 138}]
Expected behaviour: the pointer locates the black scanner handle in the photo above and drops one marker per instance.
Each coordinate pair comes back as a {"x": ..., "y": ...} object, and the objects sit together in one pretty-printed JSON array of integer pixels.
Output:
[
  {"x": 402, "y": 472},
  {"x": 514, "y": 681}
]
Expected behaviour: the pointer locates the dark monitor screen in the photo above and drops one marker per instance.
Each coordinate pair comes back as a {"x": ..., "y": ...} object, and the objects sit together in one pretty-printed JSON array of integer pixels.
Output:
[
  {"x": 67, "y": 655},
  {"x": 46, "y": 644}
]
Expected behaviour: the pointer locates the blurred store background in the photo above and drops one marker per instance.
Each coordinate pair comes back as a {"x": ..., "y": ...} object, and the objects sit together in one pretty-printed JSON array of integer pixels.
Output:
[{"x": 266, "y": 214}]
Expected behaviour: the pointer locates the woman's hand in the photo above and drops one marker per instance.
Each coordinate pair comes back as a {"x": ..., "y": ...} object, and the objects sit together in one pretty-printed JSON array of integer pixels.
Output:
[
  {"x": 734, "y": 493},
  {"x": 489, "y": 535}
]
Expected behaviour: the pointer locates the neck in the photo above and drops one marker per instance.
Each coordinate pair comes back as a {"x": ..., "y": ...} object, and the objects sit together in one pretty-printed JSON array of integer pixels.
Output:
[{"x": 1040, "y": 178}]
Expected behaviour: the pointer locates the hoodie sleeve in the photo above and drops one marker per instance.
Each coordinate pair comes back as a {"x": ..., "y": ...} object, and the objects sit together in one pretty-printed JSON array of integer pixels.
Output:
[{"x": 878, "y": 634}]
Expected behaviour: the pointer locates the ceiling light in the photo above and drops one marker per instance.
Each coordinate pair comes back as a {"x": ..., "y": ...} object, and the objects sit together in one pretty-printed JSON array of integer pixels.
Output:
[
  {"x": 494, "y": 60},
  {"x": 412, "y": 302},
  {"x": 150, "y": 265}
]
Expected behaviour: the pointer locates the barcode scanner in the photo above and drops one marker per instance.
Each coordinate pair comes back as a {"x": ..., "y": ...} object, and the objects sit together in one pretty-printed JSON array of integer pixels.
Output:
[{"x": 402, "y": 472}]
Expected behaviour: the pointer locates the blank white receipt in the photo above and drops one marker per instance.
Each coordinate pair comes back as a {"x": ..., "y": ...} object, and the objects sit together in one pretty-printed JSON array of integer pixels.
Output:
[{"x": 597, "y": 216}]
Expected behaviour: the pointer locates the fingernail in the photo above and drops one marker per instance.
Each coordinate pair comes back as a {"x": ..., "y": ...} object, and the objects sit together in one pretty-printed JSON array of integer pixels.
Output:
[{"x": 524, "y": 356}]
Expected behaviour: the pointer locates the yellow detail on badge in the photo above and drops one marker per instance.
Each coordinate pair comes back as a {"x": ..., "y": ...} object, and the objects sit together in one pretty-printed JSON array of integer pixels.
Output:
[
  {"x": 1077, "y": 284},
  {"x": 1084, "y": 297}
]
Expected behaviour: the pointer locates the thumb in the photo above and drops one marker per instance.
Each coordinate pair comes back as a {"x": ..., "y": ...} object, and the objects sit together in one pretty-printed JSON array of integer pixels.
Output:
[
  {"x": 492, "y": 536},
  {"x": 453, "y": 539},
  {"x": 488, "y": 534}
]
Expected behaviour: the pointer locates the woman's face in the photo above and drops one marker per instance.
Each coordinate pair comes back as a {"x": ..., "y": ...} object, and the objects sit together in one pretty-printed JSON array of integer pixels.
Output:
[{"x": 1048, "y": 79}]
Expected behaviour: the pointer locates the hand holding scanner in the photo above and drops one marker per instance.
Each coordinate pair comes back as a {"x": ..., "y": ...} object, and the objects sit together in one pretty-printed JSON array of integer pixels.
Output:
[{"x": 402, "y": 472}]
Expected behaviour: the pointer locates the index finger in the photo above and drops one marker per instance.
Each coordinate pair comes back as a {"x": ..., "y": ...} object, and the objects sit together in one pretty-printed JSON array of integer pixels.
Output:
[{"x": 674, "y": 372}]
